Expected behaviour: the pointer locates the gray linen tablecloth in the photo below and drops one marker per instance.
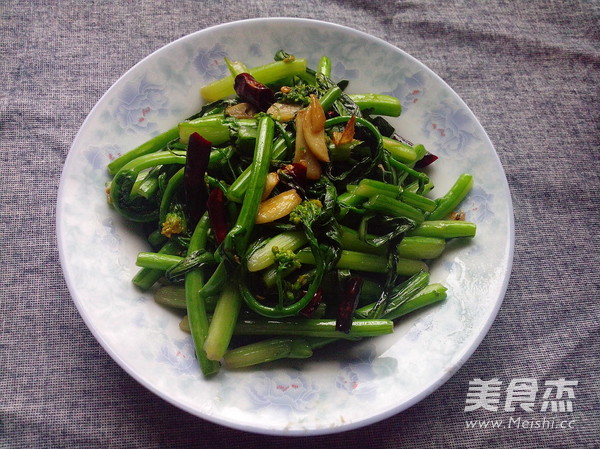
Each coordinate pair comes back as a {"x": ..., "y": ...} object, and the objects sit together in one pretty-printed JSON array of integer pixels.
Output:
[{"x": 529, "y": 70}]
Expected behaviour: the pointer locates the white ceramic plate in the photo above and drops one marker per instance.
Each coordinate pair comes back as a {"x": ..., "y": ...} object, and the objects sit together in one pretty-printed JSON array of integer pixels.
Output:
[{"x": 358, "y": 384}]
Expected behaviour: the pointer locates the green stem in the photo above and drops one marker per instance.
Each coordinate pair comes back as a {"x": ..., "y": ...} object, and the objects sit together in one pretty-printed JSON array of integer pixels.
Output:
[
  {"x": 196, "y": 307},
  {"x": 212, "y": 127},
  {"x": 236, "y": 241},
  {"x": 417, "y": 247},
  {"x": 330, "y": 97},
  {"x": 313, "y": 327},
  {"x": 370, "y": 187},
  {"x": 348, "y": 201},
  {"x": 444, "y": 229},
  {"x": 350, "y": 240},
  {"x": 150, "y": 146},
  {"x": 157, "y": 261},
  {"x": 411, "y": 246},
  {"x": 389, "y": 206},
  {"x": 420, "y": 150},
  {"x": 156, "y": 239},
  {"x": 124, "y": 180},
  {"x": 369, "y": 263},
  {"x": 360, "y": 256},
  {"x": 223, "y": 322},
  {"x": 147, "y": 277},
  {"x": 453, "y": 198},
  {"x": 153, "y": 160},
  {"x": 369, "y": 292},
  {"x": 146, "y": 184},
  {"x": 235, "y": 67},
  {"x": 427, "y": 296},
  {"x": 175, "y": 182},
  {"x": 220, "y": 156},
  {"x": 215, "y": 283},
  {"x": 265, "y": 74},
  {"x": 266, "y": 351},
  {"x": 418, "y": 201},
  {"x": 171, "y": 296},
  {"x": 408, "y": 170},
  {"x": 263, "y": 257},
  {"x": 399, "y": 150},
  {"x": 400, "y": 294},
  {"x": 271, "y": 276},
  {"x": 324, "y": 66},
  {"x": 378, "y": 104},
  {"x": 238, "y": 188}
]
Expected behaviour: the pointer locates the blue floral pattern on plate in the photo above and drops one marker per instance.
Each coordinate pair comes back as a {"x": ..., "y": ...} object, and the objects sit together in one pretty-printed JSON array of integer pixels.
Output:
[
  {"x": 302, "y": 397},
  {"x": 139, "y": 103},
  {"x": 210, "y": 61},
  {"x": 289, "y": 392},
  {"x": 360, "y": 375},
  {"x": 411, "y": 89},
  {"x": 452, "y": 128}
]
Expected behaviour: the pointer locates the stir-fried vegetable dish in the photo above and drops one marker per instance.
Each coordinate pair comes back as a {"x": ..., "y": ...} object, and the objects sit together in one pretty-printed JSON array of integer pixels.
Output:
[{"x": 286, "y": 215}]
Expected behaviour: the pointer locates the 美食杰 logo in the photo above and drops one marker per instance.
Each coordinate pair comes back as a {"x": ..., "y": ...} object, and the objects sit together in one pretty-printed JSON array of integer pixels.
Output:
[
  {"x": 558, "y": 395},
  {"x": 544, "y": 403}
]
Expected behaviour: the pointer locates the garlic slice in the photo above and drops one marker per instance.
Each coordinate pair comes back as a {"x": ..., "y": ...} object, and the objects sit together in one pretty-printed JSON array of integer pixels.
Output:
[
  {"x": 314, "y": 130},
  {"x": 283, "y": 112},
  {"x": 302, "y": 155},
  {"x": 272, "y": 181},
  {"x": 277, "y": 207},
  {"x": 241, "y": 110}
]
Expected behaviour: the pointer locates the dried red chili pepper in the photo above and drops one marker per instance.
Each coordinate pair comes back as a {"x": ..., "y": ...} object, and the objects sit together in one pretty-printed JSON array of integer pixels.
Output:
[
  {"x": 196, "y": 163},
  {"x": 255, "y": 93},
  {"x": 217, "y": 214},
  {"x": 348, "y": 303},
  {"x": 296, "y": 171},
  {"x": 313, "y": 304},
  {"x": 426, "y": 160}
]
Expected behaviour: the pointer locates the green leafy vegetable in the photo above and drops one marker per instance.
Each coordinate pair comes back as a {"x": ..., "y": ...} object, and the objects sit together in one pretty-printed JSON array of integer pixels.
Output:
[{"x": 347, "y": 256}]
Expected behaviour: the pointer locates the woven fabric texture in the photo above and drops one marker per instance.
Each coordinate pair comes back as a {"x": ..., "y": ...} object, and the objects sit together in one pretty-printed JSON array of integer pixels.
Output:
[{"x": 529, "y": 70}]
